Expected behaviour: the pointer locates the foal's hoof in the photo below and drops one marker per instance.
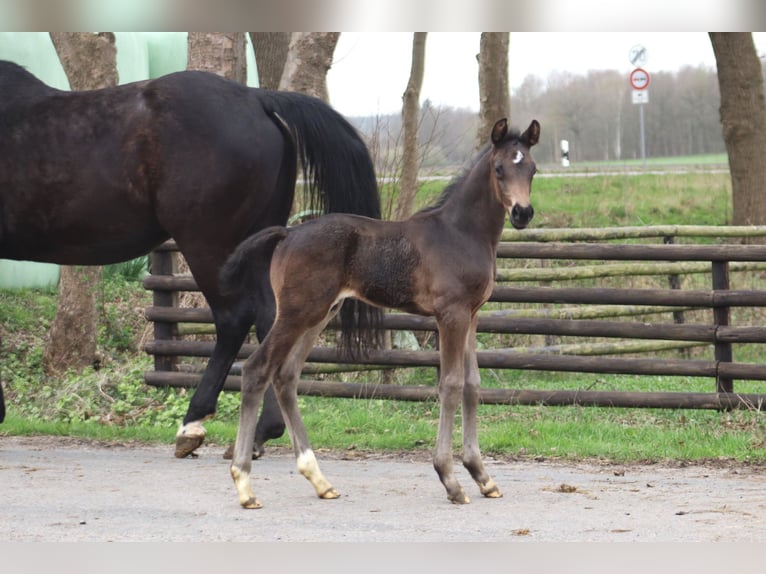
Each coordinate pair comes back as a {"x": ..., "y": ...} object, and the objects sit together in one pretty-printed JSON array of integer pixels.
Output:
[
  {"x": 490, "y": 490},
  {"x": 252, "y": 504},
  {"x": 329, "y": 494},
  {"x": 186, "y": 445},
  {"x": 459, "y": 498}
]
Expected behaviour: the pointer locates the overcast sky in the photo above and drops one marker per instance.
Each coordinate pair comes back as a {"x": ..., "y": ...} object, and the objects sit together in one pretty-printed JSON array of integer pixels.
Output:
[{"x": 371, "y": 70}]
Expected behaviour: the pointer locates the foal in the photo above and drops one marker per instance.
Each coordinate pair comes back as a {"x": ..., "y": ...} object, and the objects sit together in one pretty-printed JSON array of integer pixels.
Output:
[{"x": 440, "y": 262}]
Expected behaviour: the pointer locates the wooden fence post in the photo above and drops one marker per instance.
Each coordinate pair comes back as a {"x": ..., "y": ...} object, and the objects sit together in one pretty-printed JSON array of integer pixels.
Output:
[
  {"x": 721, "y": 315},
  {"x": 162, "y": 264}
]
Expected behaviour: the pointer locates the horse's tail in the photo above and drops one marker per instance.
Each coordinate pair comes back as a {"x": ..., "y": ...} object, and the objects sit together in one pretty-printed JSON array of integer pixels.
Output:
[
  {"x": 250, "y": 260},
  {"x": 339, "y": 177},
  {"x": 338, "y": 173}
]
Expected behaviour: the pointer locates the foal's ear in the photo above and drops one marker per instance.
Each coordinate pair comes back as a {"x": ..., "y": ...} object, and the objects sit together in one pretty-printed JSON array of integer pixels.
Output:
[
  {"x": 532, "y": 135},
  {"x": 499, "y": 131}
]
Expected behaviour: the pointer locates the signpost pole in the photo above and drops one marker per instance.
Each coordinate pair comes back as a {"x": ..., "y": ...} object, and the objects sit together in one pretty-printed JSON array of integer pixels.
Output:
[
  {"x": 643, "y": 137},
  {"x": 639, "y": 81}
]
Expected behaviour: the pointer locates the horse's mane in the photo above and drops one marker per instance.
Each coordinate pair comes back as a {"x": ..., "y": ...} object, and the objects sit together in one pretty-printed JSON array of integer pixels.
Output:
[{"x": 456, "y": 182}]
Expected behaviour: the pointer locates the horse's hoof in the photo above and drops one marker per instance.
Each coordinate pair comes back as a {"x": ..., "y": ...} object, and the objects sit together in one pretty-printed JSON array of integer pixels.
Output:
[
  {"x": 186, "y": 445},
  {"x": 257, "y": 452}
]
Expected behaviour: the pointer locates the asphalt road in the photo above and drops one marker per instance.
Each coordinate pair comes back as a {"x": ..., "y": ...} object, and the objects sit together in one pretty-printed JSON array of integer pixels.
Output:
[{"x": 56, "y": 489}]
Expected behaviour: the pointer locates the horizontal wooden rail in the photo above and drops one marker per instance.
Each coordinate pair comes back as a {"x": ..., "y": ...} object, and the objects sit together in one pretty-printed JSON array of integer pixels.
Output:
[
  {"x": 499, "y": 360},
  {"x": 625, "y": 252},
  {"x": 615, "y": 296},
  {"x": 520, "y": 325},
  {"x": 540, "y": 234},
  {"x": 675, "y": 400}
]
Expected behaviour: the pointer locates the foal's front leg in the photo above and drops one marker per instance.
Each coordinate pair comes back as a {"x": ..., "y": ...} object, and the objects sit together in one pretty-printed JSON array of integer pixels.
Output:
[
  {"x": 453, "y": 330},
  {"x": 471, "y": 453}
]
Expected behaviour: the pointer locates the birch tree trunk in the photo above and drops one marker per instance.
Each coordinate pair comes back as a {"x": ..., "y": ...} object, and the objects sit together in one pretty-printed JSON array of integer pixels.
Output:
[
  {"x": 89, "y": 61},
  {"x": 219, "y": 53},
  {"x": 408, "y": 184},
  {"x": 270, "y": 56},
  {"x": 223, "y": 54},
  {"x": 308, "y": 60},
  {"x": 494, "y": 96}
]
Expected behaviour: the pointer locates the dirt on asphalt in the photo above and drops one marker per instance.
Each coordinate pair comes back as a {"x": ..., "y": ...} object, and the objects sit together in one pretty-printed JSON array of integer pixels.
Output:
[{"x": 60, "y": 489}]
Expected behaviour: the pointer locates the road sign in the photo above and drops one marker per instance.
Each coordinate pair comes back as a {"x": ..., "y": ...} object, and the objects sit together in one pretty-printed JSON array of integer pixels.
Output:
[
  {"x": 640, "y": 96},
  {"x": 637, "y": 55},
  {"x": 639, "y": 79}
]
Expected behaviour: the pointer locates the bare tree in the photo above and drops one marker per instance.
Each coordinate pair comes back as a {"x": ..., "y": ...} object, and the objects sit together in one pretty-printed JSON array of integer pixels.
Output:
[
  {"x": 219, "y": 53},
  {"x": 743, "y": 120},
  {"x": 308, "y": 60},
  {"x": 90, "y": 62},
  {"x": 494, "y": 95},
  {"x": 408, "y": 185},
  {"x": 270, "y": 56}
]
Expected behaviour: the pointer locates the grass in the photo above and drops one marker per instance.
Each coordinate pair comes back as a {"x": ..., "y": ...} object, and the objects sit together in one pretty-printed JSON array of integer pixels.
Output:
[{"x": 114, "y": 404}]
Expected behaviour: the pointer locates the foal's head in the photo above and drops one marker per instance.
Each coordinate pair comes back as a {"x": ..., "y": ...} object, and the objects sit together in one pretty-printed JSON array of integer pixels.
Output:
[{"x": 513, "y": 169}]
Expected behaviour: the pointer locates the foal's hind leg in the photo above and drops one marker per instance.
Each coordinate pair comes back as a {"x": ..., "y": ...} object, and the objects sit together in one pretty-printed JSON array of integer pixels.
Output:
[
  {"x": 471, "y": 453},
  {"x": 286, "y": 388},
  {"x": 278, "y": 361},
  {"x": 255, "y": 378}
]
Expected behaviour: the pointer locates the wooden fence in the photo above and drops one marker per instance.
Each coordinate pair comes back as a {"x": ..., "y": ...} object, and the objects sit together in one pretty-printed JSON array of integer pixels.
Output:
[{"x": 539, "y": 271}]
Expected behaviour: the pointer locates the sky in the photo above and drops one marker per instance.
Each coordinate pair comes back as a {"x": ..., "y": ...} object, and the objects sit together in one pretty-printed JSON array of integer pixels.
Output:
[{"x": 370, "y": 70}]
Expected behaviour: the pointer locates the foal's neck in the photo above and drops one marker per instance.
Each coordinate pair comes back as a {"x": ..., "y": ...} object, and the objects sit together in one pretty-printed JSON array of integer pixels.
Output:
[{"x": 475, "y": 206}]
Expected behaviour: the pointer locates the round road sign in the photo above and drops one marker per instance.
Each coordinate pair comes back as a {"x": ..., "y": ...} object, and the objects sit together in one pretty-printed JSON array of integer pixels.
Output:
[
  {"x": 637, "y": 55},
  {"x": 639, "y": 79}
]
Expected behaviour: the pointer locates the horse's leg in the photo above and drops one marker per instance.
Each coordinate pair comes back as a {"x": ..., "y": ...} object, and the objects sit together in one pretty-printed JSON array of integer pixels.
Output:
[
  {"x": 453, "y": 331},
  {"x": 256, "y": 375},
  {"x": 286, "y": 387},
  {"x": 471, "y": 453},
  {"x": 231, "y": 325},
  {"x": 271, "y": 424}
]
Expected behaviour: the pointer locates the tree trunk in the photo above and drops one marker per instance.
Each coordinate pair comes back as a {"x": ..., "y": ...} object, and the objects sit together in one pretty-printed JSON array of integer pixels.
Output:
[
  {"x": 89, "y": 61},
  {"x": 219, "y": 53},
  {"x": 308, "y": 60},
  {"x": 494, "y": 97},
  {"x": 270, "y": 56},
  {"x": 408, "y": 184},
  {"x": 222, "y": 54},
  {"x": 743, "y": 121}
]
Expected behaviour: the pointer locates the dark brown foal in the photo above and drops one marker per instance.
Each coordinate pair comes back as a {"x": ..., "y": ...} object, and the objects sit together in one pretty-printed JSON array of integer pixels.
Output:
[{"x": 440, "y": 262}]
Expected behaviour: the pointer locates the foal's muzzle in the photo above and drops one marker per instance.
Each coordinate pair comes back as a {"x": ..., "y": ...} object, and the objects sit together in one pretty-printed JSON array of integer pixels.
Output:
[{"x": 521, "y": 216}]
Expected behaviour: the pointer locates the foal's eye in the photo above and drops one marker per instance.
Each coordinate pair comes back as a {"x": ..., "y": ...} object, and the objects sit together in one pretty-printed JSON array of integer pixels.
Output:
[{"x": 499, "y": 171}]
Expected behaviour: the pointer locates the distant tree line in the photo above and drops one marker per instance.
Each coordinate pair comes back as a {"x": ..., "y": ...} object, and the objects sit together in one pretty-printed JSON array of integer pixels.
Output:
[{"x": 593, "y": 111}]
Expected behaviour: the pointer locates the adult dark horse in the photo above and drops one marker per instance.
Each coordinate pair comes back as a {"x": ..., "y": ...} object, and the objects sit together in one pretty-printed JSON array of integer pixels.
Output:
[
  {"x": 92, "y": 178},
  {"x": 440, "y": 262}
]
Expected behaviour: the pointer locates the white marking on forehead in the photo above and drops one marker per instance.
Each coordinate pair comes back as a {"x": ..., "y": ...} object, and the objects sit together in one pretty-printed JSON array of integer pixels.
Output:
[{"x": 518, "y": 157}]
